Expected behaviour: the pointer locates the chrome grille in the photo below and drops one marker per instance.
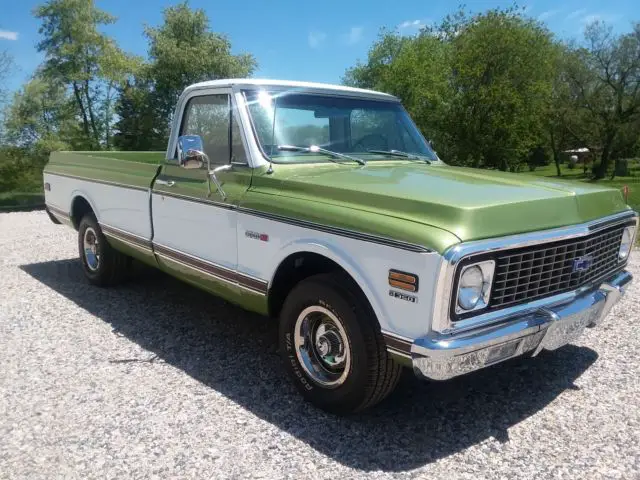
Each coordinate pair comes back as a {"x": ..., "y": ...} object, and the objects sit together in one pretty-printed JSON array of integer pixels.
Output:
[{"x": 539, "y": 271}]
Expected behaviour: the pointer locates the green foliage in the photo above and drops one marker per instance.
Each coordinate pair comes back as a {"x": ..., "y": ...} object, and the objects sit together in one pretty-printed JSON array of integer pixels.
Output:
[
  {"x": 85, "y": 60},
  {"x": 489, "y": 88},
  {"x": 139, "y": 126},
  {"x": 469, "y": 84},
  {"x": 502, "y": 66},
  {"x": 417, "y": 71},
  {"x": 21, "y": 170},
  {"x": 90, "y": 95},
  {"x": 41, "y": 113},
  {"x": 604, "y": 77},
  {"x": 182, "y": 51}
]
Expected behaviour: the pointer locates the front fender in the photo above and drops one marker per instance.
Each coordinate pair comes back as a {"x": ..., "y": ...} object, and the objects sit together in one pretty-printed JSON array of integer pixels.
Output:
[{"x": 335, "y": 253}]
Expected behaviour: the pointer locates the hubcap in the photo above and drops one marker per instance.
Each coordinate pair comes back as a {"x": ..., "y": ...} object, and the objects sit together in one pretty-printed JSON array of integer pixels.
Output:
[
  {"x": 90, "y": 242},
  {"x": 322, "y": 346}
]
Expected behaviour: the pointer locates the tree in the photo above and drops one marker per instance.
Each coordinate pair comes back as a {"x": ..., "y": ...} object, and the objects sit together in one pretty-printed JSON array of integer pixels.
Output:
[
  {"x": 83, "y": 59},
  {"x": 183, "y": 50},
  {"x": 605, "y": 78},
  {"x": 41, "y": 117},
  {"x": 376, "y": 72},
  {"x": 469, "y": 84},
  {"x": 138, "y": 127},
  {"x": 416, "y": 70},
  {"x": 561, "y": 122},
  {"x": 502, "y": 66}
]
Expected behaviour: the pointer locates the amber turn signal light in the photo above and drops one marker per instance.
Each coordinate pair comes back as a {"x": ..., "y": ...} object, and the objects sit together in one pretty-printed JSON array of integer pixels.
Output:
[{"x": 403, "y": 280}]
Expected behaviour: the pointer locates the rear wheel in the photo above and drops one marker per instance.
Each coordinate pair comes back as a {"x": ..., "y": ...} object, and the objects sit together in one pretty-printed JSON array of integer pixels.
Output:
[
  {"x": 332, "y": 347},
  {"x": 102, "y": 264}
]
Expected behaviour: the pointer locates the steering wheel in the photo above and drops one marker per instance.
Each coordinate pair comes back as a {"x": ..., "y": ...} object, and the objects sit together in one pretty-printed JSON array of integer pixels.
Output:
[{"x": 372, "y": 141}]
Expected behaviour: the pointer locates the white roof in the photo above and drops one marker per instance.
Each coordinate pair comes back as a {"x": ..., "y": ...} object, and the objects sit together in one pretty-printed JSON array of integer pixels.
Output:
[{"x": 308, "y": 86}]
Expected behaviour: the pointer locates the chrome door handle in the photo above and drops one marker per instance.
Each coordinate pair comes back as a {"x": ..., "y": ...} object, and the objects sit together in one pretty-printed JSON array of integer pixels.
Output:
[{"x": 168, "y": 183}]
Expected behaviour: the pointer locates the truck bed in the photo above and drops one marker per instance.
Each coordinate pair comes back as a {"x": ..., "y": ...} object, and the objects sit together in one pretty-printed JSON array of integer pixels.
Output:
[{"x": 116, "y": 185}]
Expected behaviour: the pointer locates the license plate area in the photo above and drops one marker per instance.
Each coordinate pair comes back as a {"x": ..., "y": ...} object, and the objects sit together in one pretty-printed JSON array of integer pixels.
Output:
[
  {"x": 502, "y": 352},
  {"x": 569, "y": 328}
]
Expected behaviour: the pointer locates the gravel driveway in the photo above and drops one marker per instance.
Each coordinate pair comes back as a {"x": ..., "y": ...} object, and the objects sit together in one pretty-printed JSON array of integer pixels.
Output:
[{"x": 156, "y": 379}]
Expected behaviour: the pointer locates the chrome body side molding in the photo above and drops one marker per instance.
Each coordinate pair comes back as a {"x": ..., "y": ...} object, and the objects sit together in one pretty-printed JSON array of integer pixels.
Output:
[{"x": 216, "y": 272}]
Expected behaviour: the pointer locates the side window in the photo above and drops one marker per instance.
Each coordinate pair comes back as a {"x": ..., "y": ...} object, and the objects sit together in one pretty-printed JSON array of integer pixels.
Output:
[{"x": 209, "y": 117}]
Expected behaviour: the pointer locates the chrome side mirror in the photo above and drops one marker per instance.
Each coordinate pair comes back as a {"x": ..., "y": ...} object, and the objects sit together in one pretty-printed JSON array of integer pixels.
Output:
[
  {"x": 191, "y": 152},
  {"x": 191, "y": 156}
]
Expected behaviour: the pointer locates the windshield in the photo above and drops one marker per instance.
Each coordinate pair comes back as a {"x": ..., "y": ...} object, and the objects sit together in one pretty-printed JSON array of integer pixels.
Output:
[{"x": 367, "y": 129}]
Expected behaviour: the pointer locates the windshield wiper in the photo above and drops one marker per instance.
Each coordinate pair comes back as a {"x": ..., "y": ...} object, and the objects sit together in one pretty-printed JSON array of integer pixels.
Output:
[
  {"x": 399, "y": 153},
  {"x": 317, "y": 149}
]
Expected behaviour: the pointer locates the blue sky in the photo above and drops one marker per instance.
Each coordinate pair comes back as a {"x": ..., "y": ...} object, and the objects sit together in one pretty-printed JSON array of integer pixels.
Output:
[{"x": 297, "y": 39}]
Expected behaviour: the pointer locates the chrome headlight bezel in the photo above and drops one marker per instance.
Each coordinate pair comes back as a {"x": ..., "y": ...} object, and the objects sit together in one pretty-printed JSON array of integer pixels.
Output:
[
  {"x": 479, "y": 298},
  {"x": 626, "y": 243}
]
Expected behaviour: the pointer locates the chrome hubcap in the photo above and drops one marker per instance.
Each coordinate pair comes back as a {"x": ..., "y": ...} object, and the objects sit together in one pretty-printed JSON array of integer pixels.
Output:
[
  {"x": 322, "y": 346},
  {"x": 90, "y": 242}
]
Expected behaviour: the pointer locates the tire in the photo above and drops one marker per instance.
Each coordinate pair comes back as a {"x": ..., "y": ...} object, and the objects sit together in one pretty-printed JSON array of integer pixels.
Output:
[
  {"x": 342, "y": 381},
  {"x": 102, "y": 264}
]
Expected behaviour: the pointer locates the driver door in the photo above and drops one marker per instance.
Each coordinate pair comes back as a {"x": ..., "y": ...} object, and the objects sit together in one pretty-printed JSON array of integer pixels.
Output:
[{"x": 194, "y": 221}]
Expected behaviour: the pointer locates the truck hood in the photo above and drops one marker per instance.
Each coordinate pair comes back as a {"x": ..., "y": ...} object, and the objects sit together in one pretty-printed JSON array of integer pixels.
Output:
[{"x": 470, "y": 203}]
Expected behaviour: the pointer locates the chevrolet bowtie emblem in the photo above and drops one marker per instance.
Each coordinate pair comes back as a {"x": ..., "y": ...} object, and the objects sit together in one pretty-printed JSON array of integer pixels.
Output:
[{"x": 582, "y": 264}]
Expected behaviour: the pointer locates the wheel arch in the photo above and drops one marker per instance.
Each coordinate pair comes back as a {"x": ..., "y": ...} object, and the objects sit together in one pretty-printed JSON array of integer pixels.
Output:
[
  {"x": 80, "y": 206},
  {"x": 301, "y": 261}
]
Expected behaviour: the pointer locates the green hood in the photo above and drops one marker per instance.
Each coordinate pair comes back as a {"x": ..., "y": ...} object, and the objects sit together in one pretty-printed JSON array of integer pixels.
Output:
[{"x": 470, "y": 203}]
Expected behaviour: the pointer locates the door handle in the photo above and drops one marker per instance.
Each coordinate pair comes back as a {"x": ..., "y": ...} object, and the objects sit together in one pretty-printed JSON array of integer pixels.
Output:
[{"x": 168, "y": 183}]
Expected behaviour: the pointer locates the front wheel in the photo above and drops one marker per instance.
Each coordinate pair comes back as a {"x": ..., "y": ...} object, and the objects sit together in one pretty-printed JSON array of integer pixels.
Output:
[
  {"x": 332, "y": 347},
  {"x": 102, "y": 264}
]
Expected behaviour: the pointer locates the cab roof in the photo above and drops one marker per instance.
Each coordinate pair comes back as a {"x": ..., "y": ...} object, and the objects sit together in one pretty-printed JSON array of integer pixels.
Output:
[{"x": 293, "y": 85}]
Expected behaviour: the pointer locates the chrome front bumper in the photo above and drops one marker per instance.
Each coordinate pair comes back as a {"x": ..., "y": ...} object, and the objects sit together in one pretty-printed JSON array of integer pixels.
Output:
[{"x": 441, "y": 356}]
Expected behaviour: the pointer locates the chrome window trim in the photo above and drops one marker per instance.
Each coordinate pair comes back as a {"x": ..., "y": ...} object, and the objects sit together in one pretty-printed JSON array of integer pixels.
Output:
[
  {"x": 441, "y": 322},
  {"x": 263, "y": 156},
  {"x": 236, "y": 107}
]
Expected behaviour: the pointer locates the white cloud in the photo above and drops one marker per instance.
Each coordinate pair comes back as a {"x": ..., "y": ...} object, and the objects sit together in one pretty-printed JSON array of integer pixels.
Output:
[
  {"x": 548, "y": 14},
  {"x": 316, "y": 38},
  {"x": 354, "y": 35},
  {"x": 600, "y": 17},
  {"x": 7, "y": 35},
  {"x": 576, "y": 13},
  {"x": 411, "y": 25}
]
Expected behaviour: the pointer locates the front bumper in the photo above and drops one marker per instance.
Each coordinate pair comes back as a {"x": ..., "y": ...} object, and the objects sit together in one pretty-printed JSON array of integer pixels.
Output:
[{"x": 442, "y": 356}]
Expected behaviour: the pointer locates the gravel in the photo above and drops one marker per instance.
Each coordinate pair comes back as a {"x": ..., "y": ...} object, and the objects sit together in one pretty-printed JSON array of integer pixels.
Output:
[{"x": 156, "y": 379}]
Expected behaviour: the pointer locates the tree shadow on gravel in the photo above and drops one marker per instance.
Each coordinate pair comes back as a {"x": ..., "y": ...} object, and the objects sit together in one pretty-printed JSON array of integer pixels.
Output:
[{"x": 234, "y": 352}]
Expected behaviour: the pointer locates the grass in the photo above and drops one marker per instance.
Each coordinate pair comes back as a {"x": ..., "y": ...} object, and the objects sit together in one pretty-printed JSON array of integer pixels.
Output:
[
  {"x": 21, "y": 200},
  {"x": 577, "y": 174}
]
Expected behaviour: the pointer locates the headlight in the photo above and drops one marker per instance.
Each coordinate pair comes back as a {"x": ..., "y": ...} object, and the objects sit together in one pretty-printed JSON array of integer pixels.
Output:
[
  {"x": 627, "y": 243},
  {"x": 474, "y": 286}
]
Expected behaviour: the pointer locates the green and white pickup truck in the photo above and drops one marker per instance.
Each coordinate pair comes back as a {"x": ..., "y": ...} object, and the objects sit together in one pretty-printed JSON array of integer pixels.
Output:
[{"x": 325, "y": 207}]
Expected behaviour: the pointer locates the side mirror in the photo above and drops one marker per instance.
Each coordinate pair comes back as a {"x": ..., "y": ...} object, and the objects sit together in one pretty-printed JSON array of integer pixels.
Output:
[{"x": 191, "y": 152}]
